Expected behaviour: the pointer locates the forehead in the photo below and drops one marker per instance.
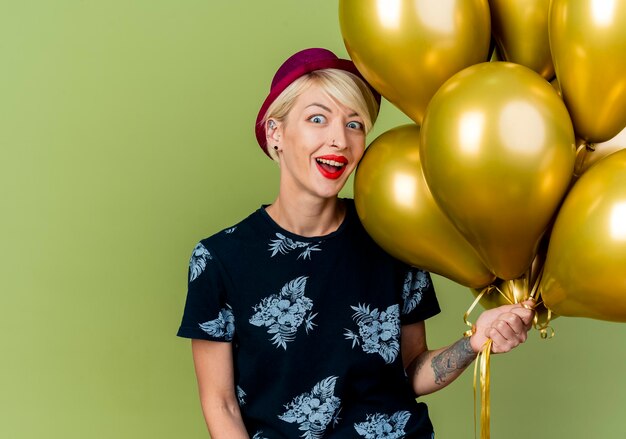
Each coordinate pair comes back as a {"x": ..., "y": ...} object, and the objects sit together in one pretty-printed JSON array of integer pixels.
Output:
[{"x": 314, "y": 94}]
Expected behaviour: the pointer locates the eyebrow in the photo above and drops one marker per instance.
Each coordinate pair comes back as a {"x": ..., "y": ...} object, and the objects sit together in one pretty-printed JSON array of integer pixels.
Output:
[{"x": 315, "y": 104}]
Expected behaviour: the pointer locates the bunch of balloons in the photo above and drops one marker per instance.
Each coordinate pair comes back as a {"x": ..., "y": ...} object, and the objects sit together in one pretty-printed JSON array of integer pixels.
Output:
[{"x": 513, "y": 177}]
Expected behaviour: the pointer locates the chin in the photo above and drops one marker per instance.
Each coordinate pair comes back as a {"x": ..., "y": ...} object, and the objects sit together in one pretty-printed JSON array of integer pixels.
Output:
[{"x": 328, "y": 193}]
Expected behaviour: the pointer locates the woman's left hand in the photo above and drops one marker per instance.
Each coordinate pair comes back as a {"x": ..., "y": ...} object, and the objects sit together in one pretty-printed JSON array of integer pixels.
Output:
[{"x": 506, "y": 325}]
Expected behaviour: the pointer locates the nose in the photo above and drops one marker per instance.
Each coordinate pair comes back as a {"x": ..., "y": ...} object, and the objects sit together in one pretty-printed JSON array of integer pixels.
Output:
[{"x": 339, "y": 137}]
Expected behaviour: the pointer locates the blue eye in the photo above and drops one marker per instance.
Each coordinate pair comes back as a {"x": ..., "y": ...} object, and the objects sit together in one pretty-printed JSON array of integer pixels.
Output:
[
  {"x": 318, "y": 118},
  {"x": 355, "y": 125}
]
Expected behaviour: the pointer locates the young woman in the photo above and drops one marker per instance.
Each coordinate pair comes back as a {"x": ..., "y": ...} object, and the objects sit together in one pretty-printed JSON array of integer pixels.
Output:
[{"x": 301, "y": 325}]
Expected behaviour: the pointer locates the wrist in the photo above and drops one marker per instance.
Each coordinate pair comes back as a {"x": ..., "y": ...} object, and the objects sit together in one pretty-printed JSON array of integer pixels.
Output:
[{"x": 477, "y": 342}]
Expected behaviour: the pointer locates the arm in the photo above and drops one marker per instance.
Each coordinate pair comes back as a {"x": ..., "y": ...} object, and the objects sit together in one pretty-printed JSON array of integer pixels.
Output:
[
  {"x": 430, "y": 371},
  {"x": 214, "y": 371}
]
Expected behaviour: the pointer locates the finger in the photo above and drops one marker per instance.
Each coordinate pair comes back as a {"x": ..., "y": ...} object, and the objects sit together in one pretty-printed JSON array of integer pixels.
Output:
[
  {"x": 499, "y": 342},
  {"x": 505, "y": 330},
  {"x": 504, "y": 336},
  {"x": 525, "y": 314},
  {"x": 514, "y": 321},
  {"x": 529, "y": 305}
]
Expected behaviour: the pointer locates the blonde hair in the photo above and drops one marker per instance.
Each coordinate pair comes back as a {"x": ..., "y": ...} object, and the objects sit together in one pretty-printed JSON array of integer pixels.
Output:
[{"x": 343, "y": 86}]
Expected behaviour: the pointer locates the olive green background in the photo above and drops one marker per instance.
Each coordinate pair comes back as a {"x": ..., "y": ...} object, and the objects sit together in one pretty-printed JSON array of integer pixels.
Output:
[{"x": 126, "y": 135}]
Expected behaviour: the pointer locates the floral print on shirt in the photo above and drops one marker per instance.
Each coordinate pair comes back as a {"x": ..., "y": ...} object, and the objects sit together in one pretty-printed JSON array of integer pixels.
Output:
[
  {"x": 222, "y": 327},
  {"x": 241, "y": 396},
  {"x": 198, "y": 261},
  {"x": 415, "y": 283},
  {"x": 381, "y": 426},
  {"x": 284, "y": 245},
  {"x": 284, "y": 313},
  {"x": 314, "y": 410},
  {"x": 379, "y": 331}
]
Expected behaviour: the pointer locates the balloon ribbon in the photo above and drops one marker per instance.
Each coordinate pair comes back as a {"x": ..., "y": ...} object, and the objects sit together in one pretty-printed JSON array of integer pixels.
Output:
[
  {"x": 581, "y": 153},
  {"x": 472, "y": 329},
  {"x": 483, "y": 358},
  {"x": 482, "y": 364}
]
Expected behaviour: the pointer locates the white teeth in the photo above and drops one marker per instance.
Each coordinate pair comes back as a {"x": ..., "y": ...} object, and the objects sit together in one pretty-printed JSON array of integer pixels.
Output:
[{"x": 331, "y": 163}]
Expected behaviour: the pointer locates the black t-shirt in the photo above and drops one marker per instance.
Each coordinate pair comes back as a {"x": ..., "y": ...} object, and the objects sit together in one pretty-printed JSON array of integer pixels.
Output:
[{"x": 315, "y": 326}]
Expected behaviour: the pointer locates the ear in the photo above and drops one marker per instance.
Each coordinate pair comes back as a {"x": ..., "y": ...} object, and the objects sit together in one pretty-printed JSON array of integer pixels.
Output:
[{"x": 272, "y": 132}]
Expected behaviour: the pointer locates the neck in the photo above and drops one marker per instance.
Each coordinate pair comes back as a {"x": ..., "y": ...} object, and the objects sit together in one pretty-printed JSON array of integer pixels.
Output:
[{"x": 307, "y": 217}]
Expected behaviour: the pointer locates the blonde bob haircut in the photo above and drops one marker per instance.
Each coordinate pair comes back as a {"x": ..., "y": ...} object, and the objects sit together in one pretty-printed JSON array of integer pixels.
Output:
[{"x": 345, "y": 87}]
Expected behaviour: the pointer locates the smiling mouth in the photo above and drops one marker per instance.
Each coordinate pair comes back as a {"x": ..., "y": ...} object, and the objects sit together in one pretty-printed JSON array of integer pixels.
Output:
[{"x": 331, "y": 167}]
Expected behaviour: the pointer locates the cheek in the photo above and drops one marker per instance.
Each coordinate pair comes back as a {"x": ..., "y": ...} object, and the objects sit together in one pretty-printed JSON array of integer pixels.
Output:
[
  {"x": 359, "y": 149},
  {"x": 307, "y": 142}
]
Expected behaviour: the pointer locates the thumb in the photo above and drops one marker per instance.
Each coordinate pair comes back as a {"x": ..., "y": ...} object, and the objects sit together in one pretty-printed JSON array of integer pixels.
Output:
[{"x": 528, "y": 311}]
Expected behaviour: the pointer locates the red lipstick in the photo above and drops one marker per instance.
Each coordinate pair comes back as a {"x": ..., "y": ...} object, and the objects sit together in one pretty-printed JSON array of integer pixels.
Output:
[{"x": 331, "y": 166}]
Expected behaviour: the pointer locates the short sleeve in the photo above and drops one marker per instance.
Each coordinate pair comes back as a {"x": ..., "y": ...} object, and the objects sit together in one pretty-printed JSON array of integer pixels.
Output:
[
  {"x": 419, "y": 301},
  {"x": 207, "y": 314}
]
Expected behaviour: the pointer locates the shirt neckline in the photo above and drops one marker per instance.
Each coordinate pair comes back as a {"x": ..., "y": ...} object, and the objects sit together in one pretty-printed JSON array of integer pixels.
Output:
[{"x": 277, "y": 228}]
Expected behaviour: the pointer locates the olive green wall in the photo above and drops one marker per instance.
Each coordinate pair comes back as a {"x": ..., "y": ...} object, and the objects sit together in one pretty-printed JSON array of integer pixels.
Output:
[{"x": 126, "y": 136}]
